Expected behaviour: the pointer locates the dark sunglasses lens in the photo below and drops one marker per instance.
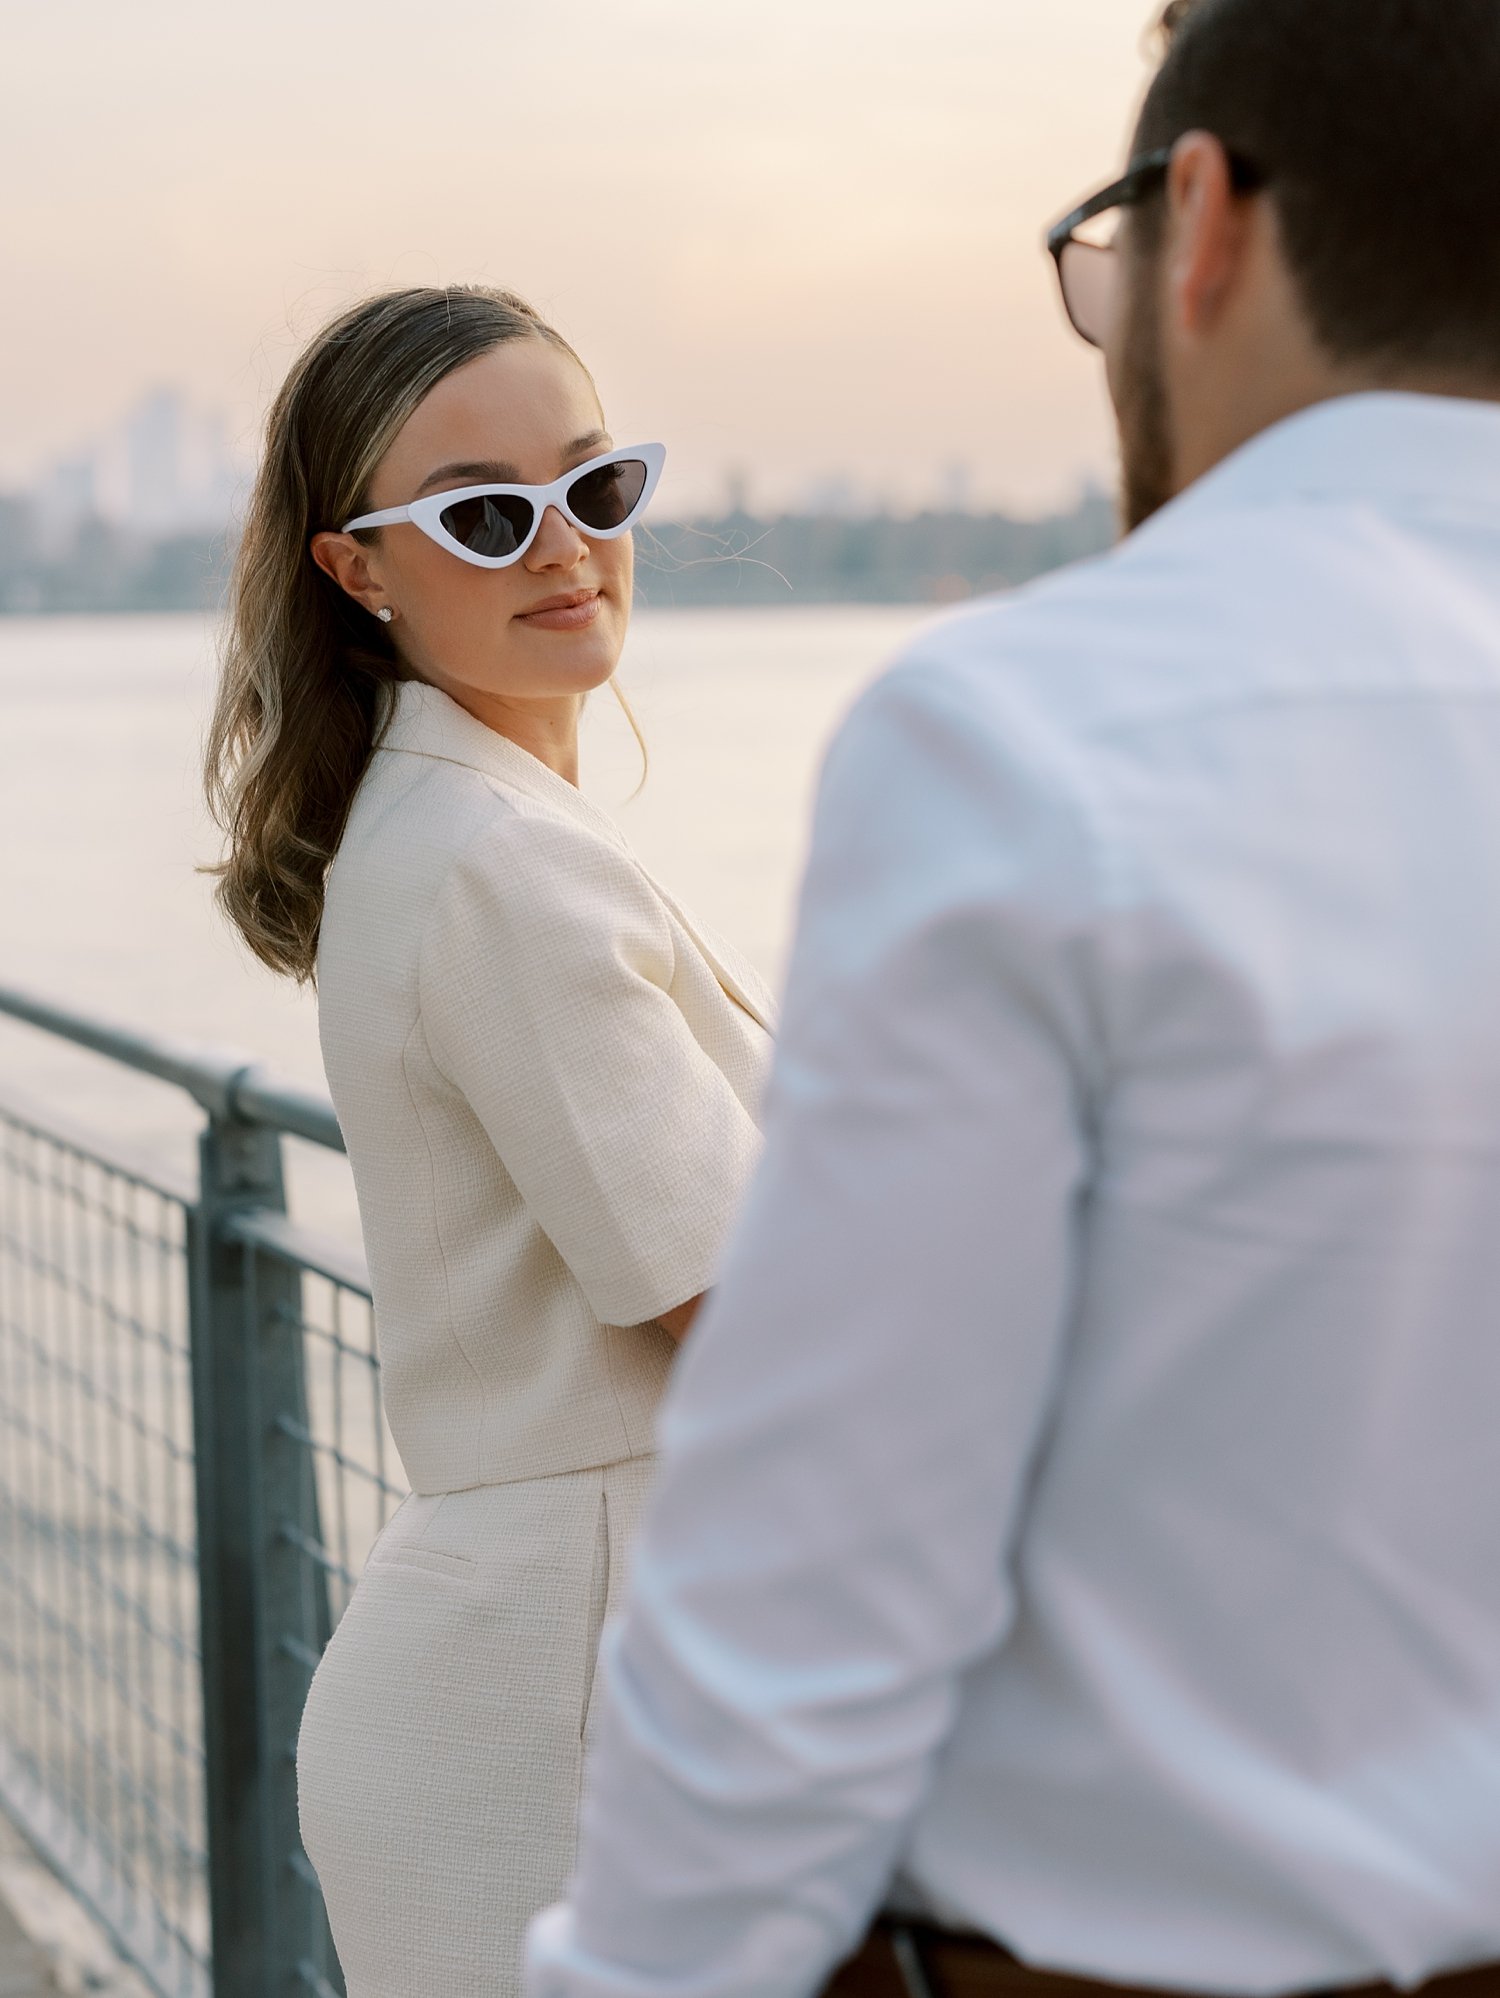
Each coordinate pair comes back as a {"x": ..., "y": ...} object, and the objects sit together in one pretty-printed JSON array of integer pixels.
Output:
[
  {"x": 608, "y": 496},
  {"x": 492, "y": 524},
  {"x": 1089, "y": 273}
]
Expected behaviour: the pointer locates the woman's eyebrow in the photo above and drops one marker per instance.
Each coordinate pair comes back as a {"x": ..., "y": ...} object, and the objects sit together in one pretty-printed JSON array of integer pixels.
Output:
[
  {"x": 498, "y": 472},
  {"x": 485, "y": 471}
]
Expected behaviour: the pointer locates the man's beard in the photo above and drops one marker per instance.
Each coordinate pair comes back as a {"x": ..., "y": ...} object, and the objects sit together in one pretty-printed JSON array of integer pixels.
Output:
[{"x": 1147, "y": 479}]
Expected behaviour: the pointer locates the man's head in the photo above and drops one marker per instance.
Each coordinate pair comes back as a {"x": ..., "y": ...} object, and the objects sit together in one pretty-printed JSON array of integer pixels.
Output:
[{"x": 1369, "y": 255}]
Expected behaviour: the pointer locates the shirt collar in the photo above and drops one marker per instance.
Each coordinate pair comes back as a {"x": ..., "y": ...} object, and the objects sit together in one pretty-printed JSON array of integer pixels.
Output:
[
  {"x": 1440, "y": 452},
  {"x": 424, "y": 721}
]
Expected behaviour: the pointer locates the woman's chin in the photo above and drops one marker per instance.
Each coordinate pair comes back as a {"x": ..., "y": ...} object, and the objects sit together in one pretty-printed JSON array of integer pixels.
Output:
[
  {"x": 577, "y": 659},
  {"x": 566, "y": 669}
]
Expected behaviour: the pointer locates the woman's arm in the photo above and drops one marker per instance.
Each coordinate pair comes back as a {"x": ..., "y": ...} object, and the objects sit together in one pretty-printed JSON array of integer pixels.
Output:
[{"x": 545, "y": 1000}]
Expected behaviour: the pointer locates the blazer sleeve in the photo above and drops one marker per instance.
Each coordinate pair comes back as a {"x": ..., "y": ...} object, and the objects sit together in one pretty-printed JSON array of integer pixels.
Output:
[{"x": 545, "y": 1000}]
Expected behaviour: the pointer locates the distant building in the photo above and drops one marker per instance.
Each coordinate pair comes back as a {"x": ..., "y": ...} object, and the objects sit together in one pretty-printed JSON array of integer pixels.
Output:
[
  {"x": 153, "y": 452},
  {"x": 833, "y": 494},
  {"x": 736, "y": 491},
  {"x": 164, "y": 469},
  {"x": 67, "y": 493},
  {"x": 956, "y": 487}
]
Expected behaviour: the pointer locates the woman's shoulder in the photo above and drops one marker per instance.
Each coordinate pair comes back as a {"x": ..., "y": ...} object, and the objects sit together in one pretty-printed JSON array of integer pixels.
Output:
[
  {"x": 427, "y": 815},
  {"x": 524, "y": 869},
  {"x": 442, "y": 866},
  {"x": 411, "y": 824},
  {"x": 449, "y": 847}
]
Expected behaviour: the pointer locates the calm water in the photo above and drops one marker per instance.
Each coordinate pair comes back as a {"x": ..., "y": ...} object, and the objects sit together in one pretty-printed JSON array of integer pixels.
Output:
[{"x": 102, "y": 827}]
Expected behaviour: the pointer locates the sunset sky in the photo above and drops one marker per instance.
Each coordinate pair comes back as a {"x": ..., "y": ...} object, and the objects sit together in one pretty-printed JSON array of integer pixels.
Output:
[{"x": 797, "y": 237}]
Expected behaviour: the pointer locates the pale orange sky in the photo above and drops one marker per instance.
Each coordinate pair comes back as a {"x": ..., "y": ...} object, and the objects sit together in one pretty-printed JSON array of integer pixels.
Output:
[{"x": 796, "y": 236}]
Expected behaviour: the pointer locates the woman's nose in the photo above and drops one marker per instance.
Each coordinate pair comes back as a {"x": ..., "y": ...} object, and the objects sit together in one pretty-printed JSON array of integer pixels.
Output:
[{"x": 558, "y": 544}]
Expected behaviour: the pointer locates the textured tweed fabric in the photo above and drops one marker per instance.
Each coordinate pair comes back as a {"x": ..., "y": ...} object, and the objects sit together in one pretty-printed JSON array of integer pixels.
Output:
[
  {"x": 547, "y": 1075},
  {"x": 441, "y": 1748}
]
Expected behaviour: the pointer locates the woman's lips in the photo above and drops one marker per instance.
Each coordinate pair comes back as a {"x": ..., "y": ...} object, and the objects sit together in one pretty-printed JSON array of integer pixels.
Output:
[{"x": 571, "y": 614}]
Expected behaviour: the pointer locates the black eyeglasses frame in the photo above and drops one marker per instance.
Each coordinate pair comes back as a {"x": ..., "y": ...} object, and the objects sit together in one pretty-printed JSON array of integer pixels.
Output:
[{"x": 1140, "y": 179}]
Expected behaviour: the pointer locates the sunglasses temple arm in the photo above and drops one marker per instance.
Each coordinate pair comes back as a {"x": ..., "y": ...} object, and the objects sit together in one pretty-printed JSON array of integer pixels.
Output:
[{"x": 388, "y": 517}]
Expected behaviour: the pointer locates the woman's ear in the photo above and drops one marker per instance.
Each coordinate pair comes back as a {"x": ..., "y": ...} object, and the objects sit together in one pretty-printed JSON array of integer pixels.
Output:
[{"x": 347, "y": 561}]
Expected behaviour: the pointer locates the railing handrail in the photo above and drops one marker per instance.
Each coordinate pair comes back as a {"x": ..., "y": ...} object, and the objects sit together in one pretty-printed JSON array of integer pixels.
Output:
[{"x": 226, "y": 1081}]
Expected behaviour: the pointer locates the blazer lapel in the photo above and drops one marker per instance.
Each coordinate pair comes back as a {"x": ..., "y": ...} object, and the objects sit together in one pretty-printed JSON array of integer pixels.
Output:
[{"x": 738, "y": 978}]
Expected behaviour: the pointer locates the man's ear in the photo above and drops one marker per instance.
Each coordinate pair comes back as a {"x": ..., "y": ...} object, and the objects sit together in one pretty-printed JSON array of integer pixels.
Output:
[
  {"x": 347, "y": 561},
  {"x": 1207, "y": 232}
]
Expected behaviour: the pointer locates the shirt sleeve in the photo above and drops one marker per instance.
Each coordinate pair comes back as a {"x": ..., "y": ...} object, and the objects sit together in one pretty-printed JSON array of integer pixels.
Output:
[
  {"x": 545, "y": 994},
  {"x": 847, "y": 1440}
]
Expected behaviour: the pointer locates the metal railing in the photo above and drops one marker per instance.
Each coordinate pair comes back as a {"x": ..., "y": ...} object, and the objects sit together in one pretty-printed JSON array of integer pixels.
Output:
[{"x": 194, "y": 1461}]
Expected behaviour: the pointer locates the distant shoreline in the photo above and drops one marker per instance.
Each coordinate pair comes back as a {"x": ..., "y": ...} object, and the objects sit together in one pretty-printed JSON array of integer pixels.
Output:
[{"x": 735, "y": 561}]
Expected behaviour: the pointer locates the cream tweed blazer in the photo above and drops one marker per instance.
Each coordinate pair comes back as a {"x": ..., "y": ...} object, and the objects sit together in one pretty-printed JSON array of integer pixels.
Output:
[{"x": 547, "y": 1077}]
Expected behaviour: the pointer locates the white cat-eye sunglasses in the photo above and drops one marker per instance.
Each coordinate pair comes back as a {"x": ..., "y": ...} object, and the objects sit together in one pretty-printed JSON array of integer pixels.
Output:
[{"x": 493, "y": 526}]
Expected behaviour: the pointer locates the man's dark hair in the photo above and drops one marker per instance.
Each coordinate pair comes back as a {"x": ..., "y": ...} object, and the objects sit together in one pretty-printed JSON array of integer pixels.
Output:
[{"x": 1377, "y": 125}]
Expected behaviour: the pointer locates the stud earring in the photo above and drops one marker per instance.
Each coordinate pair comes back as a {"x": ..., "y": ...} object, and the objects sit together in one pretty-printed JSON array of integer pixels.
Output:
[{"x": 385, "y": 613}]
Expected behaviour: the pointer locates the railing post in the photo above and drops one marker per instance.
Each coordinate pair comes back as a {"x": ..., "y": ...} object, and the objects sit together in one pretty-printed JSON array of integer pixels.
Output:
[
  {"x": 240, "y": 1166},
  {"x": 295, "y": 1623},
  {"x": 246, "y": 1323}
]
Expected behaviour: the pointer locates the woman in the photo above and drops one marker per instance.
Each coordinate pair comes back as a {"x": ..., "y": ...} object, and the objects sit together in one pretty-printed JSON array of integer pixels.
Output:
[{"x": 546, "y": 1074}]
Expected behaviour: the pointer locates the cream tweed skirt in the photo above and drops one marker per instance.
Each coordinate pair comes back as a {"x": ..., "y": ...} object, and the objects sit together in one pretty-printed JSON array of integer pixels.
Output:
[{"x": 441, "y": 1748}]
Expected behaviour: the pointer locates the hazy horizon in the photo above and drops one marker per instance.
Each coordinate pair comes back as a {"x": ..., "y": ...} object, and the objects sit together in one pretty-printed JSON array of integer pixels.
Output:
[{"x": 797, "y": 247}]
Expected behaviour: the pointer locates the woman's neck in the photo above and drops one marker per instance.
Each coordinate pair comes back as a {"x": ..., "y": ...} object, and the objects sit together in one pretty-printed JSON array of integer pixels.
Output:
[{"x": 547, "y": 729}]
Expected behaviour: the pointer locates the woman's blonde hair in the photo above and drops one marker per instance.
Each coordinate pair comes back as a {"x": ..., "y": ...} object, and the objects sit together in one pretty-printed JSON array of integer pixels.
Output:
[{"x": 306, "y": 673}]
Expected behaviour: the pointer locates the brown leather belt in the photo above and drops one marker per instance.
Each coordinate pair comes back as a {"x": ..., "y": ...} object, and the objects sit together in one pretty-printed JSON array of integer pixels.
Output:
[{"x": 913, "y": 1960}]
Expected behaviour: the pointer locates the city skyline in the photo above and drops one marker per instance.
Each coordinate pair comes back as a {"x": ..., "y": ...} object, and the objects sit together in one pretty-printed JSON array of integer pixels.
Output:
[
  {"x": 164, "y": 467},
  {"x": 797, "y": 245}
]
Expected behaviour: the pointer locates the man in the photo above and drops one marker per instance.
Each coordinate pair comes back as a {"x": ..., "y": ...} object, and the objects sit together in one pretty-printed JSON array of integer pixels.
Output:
[{"x": 1079, "y": 1525}]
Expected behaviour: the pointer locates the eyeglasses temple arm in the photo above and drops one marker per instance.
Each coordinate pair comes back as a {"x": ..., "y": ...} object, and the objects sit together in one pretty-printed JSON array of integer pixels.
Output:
[{"x": 1247, "y": 178}]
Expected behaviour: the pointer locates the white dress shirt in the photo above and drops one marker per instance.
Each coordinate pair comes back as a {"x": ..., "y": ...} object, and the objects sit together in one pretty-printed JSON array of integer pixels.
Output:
[{"x": 1082, "y": 1498}]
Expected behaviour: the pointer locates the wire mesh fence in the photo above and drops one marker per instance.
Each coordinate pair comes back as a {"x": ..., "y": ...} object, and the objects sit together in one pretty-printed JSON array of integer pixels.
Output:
[
  {"x": 194, "y": 1462},
  {"x": 99, "y": 1659},
  {"x": 350, "y": 1473}
]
